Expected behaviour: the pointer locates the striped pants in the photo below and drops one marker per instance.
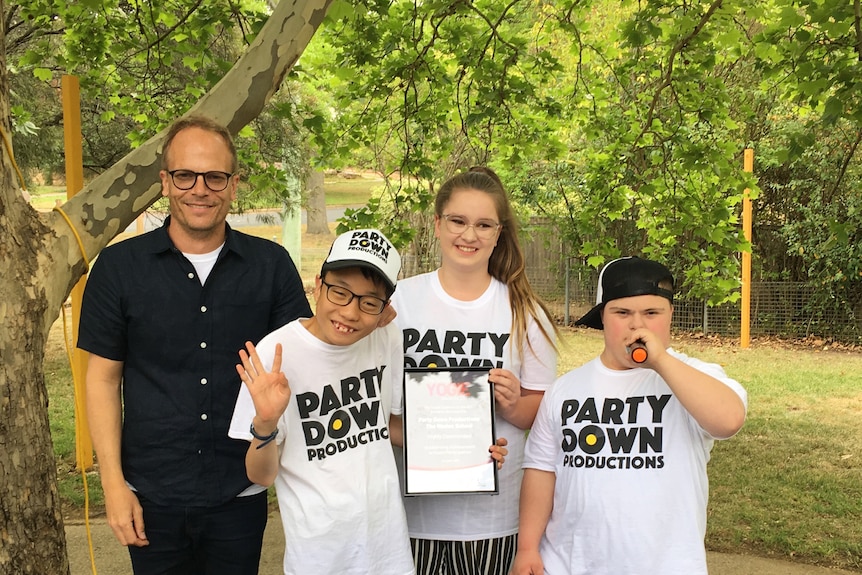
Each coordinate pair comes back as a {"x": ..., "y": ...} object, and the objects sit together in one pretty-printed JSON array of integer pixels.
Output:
[{"x": 482, "y": 557}]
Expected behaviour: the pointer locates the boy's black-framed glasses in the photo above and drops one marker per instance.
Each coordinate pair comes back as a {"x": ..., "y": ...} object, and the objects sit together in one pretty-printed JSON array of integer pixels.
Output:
[
  {"x": 186, "y": 179},
  {"x": 342, "y": 296},
  {"x": 484, "y": 229}
]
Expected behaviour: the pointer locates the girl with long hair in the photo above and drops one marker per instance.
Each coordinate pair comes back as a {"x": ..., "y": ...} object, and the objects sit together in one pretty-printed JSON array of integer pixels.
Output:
[{"x": 477, "y": 309}]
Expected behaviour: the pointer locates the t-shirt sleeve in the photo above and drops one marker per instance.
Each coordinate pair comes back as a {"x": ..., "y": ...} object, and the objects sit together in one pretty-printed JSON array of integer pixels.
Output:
[
  {"x": 716, "y": 371},
  {"x": 102, "y": 329},
  {"x": 396, "y": 366},
  {"x": 542, "y": 441},
  {"x": 539, "y": 366}
]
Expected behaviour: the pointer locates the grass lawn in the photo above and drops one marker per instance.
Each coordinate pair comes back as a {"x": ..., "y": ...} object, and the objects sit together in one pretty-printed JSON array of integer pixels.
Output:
[
  {"x": 788, "y": 486},
  {"x": 44, "y": 198},
  {"x": 351, "y": 192},
  {"x": 790, "y": 483}
]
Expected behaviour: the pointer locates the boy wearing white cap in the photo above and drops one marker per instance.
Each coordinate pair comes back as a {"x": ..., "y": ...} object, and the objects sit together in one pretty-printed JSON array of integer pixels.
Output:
[
  {"x": 324, "y": 438},
  {"x": 615, "y": 467}
]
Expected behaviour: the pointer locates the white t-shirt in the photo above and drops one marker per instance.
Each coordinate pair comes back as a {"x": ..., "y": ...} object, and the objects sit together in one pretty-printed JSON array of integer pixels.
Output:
[
  {"x": 630, "y": 462},
  {"x": 443, "y": 331},
  {"x": 337, "y": 485},
  {"x": 204, "y": 263}
]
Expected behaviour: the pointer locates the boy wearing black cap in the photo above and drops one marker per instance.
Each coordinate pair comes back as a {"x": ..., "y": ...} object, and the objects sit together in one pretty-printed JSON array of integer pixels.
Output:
[
  {"x": 615, "y": 467},
  {"x": 324, "y": 438}
]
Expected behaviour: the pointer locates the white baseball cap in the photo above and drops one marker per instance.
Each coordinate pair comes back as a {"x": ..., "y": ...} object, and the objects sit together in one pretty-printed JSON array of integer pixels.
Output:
[{"x": 365, "y": 248}]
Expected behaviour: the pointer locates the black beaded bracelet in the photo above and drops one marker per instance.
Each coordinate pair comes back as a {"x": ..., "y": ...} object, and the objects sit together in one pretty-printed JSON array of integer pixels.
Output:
[{"x": 264, "y": 439}]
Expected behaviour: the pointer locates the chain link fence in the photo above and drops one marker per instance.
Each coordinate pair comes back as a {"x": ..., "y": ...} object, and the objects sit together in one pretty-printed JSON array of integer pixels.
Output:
[{"x": 785, "y": 309}]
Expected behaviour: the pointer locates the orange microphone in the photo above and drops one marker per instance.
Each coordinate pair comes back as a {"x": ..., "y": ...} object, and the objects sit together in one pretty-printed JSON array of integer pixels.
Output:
[{"x": 637, "y": 351}]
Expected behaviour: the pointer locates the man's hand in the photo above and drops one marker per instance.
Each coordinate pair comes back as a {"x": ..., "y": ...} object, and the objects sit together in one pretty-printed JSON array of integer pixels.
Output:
[{"x": 125, "y": 516}]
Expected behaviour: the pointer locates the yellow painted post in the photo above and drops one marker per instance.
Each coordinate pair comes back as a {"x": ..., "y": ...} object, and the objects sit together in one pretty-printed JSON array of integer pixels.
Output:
[
  {"x": 71, "y": 93},
  {"x": 745, "y": 327}
]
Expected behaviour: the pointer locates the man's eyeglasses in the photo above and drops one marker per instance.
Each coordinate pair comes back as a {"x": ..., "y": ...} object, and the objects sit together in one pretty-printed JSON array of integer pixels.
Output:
[
  {"x": 186, "y": 179},
  {"x": 484, "y": 229},
  {"x": 343, "y": 296}
]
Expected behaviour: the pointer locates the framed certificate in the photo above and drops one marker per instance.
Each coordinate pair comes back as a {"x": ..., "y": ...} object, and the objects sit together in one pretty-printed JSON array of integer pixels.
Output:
[{"x": 448, "y": 428}]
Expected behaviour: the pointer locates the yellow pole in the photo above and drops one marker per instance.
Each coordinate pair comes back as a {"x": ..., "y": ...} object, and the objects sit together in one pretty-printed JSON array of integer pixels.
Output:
[
  {"x": 71, "y": 93},
  {"x": 745, "y": 328}
]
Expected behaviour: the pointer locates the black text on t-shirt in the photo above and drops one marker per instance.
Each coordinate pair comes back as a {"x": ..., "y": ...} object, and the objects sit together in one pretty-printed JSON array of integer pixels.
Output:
[
  {"x": 452, "y": 348},
  {"x": 348, "y": 414}
]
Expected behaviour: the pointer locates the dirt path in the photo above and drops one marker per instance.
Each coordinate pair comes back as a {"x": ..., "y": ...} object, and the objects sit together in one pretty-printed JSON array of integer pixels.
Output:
[{"x": 112, "y": 559}]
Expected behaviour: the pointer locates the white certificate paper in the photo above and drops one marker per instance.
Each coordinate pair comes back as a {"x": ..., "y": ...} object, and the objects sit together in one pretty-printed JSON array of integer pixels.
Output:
[{"x": 448, "y": 428}]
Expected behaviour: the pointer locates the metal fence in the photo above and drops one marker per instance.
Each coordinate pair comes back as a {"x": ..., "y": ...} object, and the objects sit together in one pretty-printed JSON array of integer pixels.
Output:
[{"x": 785, "y": 309}]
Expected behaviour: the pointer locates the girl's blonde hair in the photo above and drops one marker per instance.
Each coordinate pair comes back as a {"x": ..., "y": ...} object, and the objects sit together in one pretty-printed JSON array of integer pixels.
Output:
[{"x": 507, "y": 260}]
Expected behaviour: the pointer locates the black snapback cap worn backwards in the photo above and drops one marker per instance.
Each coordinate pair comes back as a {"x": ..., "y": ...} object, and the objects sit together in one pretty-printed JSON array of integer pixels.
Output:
[{"x": 627, "y": 277}]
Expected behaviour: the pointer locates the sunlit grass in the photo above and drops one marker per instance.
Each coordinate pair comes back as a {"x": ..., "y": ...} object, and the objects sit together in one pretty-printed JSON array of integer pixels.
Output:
[
  {"x": 344, "y": 192},
  {"x": 790, "y": 483},
  {"x": 46, "y": 197}
]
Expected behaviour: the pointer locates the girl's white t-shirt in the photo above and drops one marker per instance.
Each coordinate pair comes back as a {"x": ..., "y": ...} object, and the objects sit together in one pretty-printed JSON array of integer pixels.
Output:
[{"x": 441, "y": 330}]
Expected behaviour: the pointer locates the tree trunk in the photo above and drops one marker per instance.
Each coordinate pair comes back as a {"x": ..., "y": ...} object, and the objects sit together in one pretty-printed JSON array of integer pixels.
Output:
[
  {"x": 318, "y": 222},
  {"x": 32, "y": 539},
  {"x": 31, "y": 523},
  {"x": 40, "y": 261}
]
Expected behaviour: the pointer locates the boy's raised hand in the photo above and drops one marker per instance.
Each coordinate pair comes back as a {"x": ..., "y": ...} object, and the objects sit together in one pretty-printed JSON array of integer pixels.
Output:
[{"x": 269, "y": 390}]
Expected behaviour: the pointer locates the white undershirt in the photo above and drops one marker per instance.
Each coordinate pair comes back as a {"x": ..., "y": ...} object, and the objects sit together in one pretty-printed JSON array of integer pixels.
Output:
[{"x": 204, "y": 263}]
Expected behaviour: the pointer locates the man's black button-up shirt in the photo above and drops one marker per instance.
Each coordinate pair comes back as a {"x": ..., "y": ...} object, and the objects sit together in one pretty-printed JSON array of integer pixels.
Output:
[{"x": 179, "y": 340}]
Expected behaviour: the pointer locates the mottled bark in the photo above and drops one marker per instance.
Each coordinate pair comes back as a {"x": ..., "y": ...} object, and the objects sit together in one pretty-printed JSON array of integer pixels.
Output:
[
  {"x": 316, "y": 218},
  {"x": 40, "y": 261},
  {"x": 31, "y": 524},
  {"x": 113, "y": 200}
]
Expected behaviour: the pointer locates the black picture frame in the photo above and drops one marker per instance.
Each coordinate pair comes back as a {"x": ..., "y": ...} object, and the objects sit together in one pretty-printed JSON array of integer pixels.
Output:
[{"x": 448, "y": 428}]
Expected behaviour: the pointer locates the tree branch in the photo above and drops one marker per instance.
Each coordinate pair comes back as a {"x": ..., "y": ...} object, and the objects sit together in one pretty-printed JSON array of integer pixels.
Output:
[
  {"x": 667, "y": 78},
  {"x": 857, "y": 25},
  {"x": 845, "y": 164}
]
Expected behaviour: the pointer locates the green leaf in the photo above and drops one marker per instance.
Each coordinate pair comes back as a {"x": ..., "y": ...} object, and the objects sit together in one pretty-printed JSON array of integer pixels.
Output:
[{"x": 833, "y": 109}]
